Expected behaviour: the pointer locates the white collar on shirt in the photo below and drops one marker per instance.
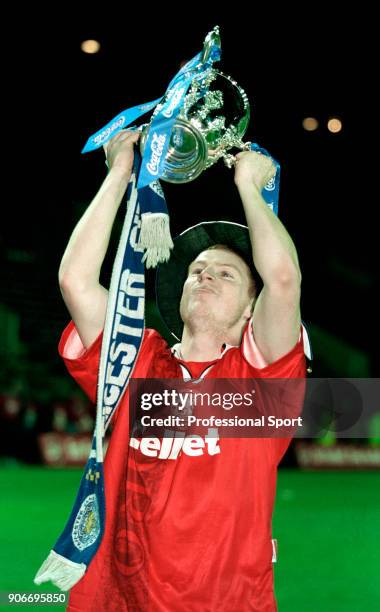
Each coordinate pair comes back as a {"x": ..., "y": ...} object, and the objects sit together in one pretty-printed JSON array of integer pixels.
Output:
[{"x": 176, "y": 350}]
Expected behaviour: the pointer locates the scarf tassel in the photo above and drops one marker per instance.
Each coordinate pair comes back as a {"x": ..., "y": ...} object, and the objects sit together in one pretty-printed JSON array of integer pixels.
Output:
[
  {"x": 155, "y": 238},
  {"x": 61, "y": 571}
]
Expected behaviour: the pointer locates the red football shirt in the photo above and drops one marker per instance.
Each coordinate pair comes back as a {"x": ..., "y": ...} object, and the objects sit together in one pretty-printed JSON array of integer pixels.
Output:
[{"x": 188, "y": 534}]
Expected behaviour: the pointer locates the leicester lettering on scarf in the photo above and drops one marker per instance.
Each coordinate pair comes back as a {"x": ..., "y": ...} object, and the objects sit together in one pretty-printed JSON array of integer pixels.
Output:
[{"x": 124, "y": 324}]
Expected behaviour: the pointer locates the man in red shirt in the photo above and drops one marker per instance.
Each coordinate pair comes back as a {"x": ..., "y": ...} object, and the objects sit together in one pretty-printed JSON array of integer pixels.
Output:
[{"x": 189, "y": 529}]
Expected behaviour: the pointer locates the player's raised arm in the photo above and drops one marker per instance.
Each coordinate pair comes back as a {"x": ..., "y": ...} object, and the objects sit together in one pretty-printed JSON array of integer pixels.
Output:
[
  {"x": 276, "y": 317},
  {"x": 81, "y": 263}
]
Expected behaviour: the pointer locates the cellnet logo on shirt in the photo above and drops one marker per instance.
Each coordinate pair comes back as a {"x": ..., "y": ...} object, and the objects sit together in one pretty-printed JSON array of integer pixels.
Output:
[{"x": 175, "y": 443}]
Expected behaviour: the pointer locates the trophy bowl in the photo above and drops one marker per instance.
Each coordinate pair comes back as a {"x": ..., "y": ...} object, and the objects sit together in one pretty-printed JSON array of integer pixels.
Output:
[{"x": 213, "y": 119}]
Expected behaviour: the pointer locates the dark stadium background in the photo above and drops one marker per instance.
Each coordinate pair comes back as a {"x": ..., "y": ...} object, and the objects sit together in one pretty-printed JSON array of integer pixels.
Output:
[{"x": 292, "y": 64}]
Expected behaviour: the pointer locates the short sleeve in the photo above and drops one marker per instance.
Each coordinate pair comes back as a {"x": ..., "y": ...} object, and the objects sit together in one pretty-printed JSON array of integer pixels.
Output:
[
  {"x": 250, "y": 349},
  {"x": 82, "y": 363},
  {"x": 154, "y": 358},
  {"x": 291, "y": 365}
]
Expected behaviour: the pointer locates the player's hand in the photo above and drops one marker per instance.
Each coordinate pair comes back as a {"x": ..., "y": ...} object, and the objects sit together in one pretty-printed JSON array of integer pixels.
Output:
[
  {"x": 119, "y": 151},
  {"x": 253, "y": 168}
]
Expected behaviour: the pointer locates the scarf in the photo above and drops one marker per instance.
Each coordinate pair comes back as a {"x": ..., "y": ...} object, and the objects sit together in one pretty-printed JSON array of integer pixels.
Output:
[{"x": 145, "y": 238}]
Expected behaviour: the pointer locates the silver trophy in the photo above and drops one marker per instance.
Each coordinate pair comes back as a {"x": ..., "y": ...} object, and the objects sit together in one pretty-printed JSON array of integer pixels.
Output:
[{"x": 213, "y": 119}]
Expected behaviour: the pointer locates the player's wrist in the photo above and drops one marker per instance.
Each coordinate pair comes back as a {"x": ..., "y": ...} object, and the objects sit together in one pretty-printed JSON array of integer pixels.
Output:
[{"x": 119, "y": 174}]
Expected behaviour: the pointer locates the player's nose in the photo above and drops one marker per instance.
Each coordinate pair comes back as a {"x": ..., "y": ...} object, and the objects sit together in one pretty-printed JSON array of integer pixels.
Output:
[{"x": 207, "y": 273}]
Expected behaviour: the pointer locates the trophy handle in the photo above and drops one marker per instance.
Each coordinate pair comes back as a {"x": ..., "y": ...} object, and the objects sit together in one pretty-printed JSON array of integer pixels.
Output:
[
  {"x": 211, "y": 42},
  {"x": 229, "y": 159}
]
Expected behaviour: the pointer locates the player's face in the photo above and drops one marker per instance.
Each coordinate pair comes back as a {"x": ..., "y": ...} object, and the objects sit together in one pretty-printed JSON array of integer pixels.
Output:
[{"x": 217, "y": 288}]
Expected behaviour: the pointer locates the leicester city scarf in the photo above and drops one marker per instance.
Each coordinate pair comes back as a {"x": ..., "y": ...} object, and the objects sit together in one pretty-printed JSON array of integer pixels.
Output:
[{"x": 122, "y": 336}]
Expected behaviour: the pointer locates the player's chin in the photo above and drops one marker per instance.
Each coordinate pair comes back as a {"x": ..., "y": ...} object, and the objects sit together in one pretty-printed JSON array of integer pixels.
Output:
[{"x": 196, "y": 310}]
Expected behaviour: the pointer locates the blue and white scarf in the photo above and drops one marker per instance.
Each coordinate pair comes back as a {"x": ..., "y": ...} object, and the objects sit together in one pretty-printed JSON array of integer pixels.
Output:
[{"x": 122, "y": 336}]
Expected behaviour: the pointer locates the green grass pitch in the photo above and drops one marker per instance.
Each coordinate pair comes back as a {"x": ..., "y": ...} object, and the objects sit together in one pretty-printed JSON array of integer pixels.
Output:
[{"x": 327, "y": 525}]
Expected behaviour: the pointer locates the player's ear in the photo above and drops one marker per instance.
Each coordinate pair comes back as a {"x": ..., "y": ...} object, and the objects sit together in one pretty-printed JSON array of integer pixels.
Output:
[{"x": 249, "y": 309}]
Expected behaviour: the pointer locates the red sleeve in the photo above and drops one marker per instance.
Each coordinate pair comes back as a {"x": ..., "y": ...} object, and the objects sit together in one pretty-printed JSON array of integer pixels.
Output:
[
  {"x": 291, "y": 365},
  {"x": 82, "y": 364}
]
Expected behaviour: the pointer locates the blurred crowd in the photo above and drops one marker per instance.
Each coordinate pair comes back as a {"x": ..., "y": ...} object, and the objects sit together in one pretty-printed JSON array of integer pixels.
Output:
[{"x": 22, "y": 422}]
